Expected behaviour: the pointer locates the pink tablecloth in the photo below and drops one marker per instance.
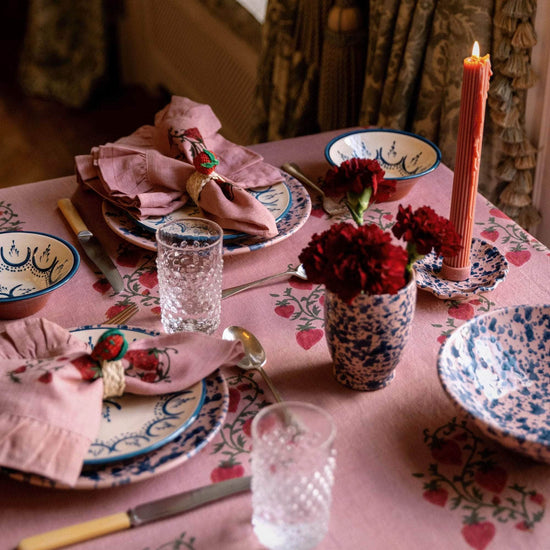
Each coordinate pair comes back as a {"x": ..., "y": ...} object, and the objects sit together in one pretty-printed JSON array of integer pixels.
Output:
[{"x": 395, "y": 487}]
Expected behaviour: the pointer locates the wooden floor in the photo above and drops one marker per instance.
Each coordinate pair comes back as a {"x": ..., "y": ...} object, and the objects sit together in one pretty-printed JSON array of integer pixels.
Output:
[{"x": 40, "y": 138}]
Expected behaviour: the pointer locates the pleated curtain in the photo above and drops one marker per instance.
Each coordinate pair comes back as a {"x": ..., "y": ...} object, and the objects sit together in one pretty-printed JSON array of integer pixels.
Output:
[{"x": 330, "y": 64}]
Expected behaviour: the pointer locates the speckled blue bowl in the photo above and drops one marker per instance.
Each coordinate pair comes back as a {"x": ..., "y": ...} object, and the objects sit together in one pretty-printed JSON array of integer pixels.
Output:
[
  {"x": 32, "y": 265},
  {"x": 497, "y": 368}
]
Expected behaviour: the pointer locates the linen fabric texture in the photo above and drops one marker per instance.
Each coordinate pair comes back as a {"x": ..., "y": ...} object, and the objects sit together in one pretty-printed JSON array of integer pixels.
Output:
[
  {"x": 50, "y": 410},
  {"x": 146, "y": 172}
]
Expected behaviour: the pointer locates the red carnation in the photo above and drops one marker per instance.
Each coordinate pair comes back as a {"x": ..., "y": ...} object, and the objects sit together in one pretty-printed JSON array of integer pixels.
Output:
[
  {"x": 425, "y": 231},
  {"x": 349, "y": 260},
  {"x": 361, "y": 181}
]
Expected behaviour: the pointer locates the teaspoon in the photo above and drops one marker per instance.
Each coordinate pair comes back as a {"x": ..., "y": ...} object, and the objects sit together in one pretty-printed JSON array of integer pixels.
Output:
[{"x": 254, "y": 358}]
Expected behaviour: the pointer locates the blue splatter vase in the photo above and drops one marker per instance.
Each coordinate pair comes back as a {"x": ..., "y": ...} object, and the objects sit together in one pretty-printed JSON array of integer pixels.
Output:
[{"x": 367, "y": 337}]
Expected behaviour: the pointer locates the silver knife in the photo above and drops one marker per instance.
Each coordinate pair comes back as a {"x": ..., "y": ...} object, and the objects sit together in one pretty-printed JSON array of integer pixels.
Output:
[
  {"x": 90, "y": 244},
  {"x": 144, "y": 513}
]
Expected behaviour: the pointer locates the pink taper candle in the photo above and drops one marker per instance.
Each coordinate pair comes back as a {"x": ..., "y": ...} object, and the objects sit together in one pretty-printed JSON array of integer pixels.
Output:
[{"x": 475, "y": 85}]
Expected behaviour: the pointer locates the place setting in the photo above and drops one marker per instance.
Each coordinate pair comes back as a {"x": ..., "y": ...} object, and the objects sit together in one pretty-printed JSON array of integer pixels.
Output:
[{"x": 182, "y": 167}]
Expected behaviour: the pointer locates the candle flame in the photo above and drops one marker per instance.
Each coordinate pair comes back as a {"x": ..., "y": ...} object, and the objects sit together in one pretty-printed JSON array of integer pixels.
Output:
[{"x": 475, "y": 49}]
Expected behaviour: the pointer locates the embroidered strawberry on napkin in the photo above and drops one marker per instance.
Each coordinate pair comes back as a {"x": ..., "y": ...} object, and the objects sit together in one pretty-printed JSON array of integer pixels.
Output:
[
  {"x": 146, "y": 173},
  {"x": 52, "y": 387}
]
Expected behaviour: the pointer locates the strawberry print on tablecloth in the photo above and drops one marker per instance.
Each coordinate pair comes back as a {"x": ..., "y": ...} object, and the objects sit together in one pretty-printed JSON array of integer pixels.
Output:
[
  {"x": 140, "y": 281},
  {"x": 466, "y": 477},
  {"x": 302, "y": 304},
  {"x": 232, "y": 445}
]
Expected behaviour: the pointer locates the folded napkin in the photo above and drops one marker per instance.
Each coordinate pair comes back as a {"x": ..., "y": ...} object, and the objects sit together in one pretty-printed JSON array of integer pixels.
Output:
[
  {"x": 147, "y": 172},
  {"x": 52, "y": 387}
]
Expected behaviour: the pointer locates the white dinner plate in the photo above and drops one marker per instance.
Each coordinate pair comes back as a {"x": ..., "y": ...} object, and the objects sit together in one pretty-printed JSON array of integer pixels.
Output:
[
  {"x": 294, "y": 218},
  {"x": 187, "y": 444}
]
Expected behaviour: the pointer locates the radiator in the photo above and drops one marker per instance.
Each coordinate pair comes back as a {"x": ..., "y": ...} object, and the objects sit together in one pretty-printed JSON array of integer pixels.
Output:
[{"x": 180, "y": 46}]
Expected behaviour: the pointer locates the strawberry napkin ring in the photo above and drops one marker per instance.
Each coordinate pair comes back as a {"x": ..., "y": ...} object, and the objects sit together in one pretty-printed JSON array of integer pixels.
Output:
[
  {"x": 108, "y": 352},
  {"x": 205, "y": 163}
]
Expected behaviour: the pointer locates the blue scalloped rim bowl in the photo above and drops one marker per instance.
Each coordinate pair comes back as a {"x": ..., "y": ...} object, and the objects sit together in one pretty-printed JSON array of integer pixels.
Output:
[
  {"x": 32, "y": 265},
  {"x": 404, "y": 156}
]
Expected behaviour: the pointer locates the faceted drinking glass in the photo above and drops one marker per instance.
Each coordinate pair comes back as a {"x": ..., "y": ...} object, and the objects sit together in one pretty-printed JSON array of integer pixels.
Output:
[
  {"x": 293, "y": 461},
  {"x": 189, "y": 264}
]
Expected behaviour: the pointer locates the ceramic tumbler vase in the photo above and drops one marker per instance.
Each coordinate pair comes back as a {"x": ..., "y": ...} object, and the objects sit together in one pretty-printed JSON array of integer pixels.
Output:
[{"x": 366, "y": 338}]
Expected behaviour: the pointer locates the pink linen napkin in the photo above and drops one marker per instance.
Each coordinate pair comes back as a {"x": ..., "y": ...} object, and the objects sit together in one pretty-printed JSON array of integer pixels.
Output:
[
  {"x": 51, "y": 401},
  {"x": 146, "y": 173}
]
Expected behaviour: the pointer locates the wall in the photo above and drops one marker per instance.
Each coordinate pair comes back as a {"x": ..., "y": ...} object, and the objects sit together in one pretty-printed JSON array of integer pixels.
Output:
[
  {"x": 181, "y": 46},
  {"x": 538, "y": 119}
]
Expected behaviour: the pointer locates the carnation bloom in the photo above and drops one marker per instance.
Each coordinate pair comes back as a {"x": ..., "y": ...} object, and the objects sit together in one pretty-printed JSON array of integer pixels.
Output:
[
  {"x": 350, "y": 260},
  {"x": 361, "y": 181},
  {"x": 424, "y": 231}
]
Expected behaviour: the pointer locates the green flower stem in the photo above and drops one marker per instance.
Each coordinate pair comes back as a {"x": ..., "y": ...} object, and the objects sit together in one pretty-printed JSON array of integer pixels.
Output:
[{"x": 358, "y": 203}]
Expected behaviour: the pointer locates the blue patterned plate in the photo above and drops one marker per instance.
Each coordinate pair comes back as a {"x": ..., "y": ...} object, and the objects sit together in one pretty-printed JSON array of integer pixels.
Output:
[
  {"x": 132, "y": 425},
  {"x": 489, "y": 268},
  {"x": 497, "y": 368},
  {"x": 164, "y": 458},
  {"x": 293, "y": 219},
  {"x": 276, "y": 198}
]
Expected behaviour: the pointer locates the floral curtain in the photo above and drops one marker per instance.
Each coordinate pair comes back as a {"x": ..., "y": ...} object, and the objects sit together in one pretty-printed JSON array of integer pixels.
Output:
[{"x": 328, "y": 64}]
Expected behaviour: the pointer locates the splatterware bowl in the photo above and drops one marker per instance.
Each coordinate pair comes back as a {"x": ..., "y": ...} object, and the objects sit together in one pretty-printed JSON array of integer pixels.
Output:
[
  {"x": 403, "y": 156},
  {"x": 32, "y": 265},
  {"x": 497, "y": 368}
]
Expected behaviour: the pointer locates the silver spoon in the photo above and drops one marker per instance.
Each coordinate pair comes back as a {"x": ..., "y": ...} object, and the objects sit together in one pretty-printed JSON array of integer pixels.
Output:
[
  {"x": 254, "y": 358},
  {"x": 330, "y": 206},
  {"x": 291, "y": 272}
]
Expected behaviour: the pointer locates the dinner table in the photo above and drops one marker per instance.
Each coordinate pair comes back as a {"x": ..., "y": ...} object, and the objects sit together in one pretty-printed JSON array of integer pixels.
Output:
[{"x": 413, "y": 470}]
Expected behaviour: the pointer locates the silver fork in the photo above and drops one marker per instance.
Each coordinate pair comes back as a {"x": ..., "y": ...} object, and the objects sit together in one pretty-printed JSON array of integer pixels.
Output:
[
  {"x": 330, "y": 206},
  {"x": 122, "y": 316}
]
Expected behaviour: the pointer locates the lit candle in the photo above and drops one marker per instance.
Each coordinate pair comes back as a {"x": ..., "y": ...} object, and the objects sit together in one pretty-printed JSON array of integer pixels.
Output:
[{"x": 475, "y": 85}]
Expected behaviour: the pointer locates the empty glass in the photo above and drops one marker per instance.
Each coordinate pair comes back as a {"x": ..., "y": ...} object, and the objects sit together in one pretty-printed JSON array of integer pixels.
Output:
[
  {"x": 293, "y": 461},
  {"x": 189, "y": 264}
]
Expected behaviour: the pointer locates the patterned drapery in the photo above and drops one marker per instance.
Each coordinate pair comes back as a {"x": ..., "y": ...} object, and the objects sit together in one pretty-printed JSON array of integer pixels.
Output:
[{"x": 411, "y": 76}]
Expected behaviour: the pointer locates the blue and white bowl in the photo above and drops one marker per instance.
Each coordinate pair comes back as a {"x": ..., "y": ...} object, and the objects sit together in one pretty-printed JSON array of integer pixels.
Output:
[
  {"x": 32, "y": 265},
  {"x": 403, "y": 156},
  {"x": 497, "y": 368}
]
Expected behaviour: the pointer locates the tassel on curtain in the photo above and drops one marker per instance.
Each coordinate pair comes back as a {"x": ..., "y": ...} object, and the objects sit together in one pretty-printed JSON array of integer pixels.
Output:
[
  {"x": 514, "y": 36},
  {"x": 342, "y": 66}
]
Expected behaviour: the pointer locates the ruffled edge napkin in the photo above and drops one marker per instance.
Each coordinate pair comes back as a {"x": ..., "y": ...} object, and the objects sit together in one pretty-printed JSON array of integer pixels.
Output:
[
  {"x": 146, "y": 173},
  {"x": 51, "y": 403}
]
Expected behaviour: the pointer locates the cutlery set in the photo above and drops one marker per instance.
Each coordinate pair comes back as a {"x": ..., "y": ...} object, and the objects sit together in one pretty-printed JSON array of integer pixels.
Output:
[{"x": 254, "y": 359}]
